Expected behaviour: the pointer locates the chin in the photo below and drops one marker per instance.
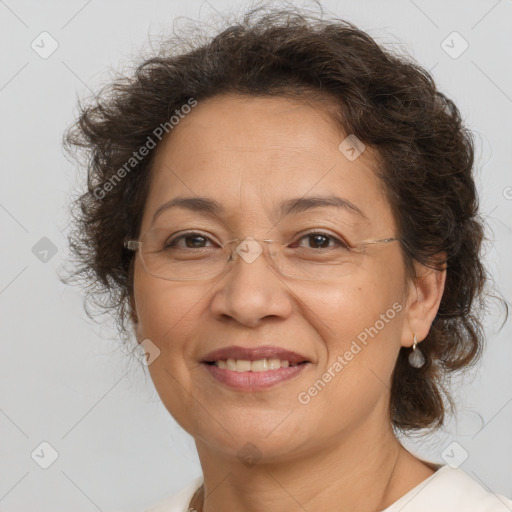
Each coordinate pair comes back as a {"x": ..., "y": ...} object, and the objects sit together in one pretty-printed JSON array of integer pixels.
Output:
[{"x": 265, "y": 440}]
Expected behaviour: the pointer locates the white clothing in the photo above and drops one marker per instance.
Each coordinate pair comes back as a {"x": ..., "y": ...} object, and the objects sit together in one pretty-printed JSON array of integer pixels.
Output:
[{"x": 447, "y": 490}]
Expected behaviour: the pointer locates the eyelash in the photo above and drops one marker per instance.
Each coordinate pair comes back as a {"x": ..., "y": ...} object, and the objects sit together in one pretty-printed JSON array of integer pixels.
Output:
[{"x": 191, "y": 234}]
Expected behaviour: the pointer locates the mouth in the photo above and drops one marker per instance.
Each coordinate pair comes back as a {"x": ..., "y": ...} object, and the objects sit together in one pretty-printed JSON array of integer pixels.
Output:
[
  {"x": 259, "y": 365},
  {"x": 253, "y": 369},
  {"x": 256, "y": 359}
]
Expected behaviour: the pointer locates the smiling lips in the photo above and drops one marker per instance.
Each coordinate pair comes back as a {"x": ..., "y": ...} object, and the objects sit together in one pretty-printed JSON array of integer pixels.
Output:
[
  {"x": 267, "y": 352},
  {"x": 255, "y": 368}
]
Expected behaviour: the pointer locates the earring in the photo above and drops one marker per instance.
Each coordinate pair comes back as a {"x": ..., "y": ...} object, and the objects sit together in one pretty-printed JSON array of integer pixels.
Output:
[{"x": 416, "y": 358}]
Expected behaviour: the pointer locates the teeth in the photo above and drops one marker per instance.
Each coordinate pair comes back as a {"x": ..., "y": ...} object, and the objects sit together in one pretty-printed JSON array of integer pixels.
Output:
[{"x": 261, "y": 365}]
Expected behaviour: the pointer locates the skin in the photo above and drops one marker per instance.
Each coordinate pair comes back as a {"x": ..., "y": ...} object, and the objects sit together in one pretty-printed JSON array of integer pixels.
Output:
[{"x": 337, "y": 452}]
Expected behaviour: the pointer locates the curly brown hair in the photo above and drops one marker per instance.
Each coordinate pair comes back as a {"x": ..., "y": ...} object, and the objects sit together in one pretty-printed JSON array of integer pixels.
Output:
[{"x": 426, "y": 158}]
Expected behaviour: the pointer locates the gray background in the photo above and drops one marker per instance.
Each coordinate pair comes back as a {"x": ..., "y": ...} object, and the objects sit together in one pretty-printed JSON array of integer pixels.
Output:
[{"x": 63, "y": 379}]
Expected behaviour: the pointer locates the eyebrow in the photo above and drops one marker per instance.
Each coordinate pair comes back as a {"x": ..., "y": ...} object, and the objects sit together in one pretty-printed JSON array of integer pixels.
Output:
[{"x": 287, "y": 207}]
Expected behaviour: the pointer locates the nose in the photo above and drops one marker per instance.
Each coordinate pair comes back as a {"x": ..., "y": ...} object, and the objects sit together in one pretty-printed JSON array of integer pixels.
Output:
[{"x": 251, "y": 290}]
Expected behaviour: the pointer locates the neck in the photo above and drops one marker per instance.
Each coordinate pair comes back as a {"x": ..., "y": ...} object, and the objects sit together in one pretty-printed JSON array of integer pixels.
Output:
[{"x": 365, "y": 471}]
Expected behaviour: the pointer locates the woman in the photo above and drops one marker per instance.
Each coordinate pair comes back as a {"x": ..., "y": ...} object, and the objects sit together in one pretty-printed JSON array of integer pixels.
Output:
[{"x": 286, "y": 219}]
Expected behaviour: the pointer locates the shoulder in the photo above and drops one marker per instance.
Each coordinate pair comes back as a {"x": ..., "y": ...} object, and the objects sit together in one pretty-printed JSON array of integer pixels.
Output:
[
  {"x": 179, "y": 501},
  {"x": 450, "y": 490}
]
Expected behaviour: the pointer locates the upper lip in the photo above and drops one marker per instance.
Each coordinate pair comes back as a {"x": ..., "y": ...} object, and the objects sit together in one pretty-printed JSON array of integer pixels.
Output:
[{"x": 254, "y": 353}]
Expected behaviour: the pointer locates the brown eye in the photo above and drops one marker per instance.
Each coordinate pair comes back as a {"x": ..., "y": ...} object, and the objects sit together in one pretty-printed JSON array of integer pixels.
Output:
[
  {"x": 192, "y": 241},
  {"x": 320, "y": 240}
]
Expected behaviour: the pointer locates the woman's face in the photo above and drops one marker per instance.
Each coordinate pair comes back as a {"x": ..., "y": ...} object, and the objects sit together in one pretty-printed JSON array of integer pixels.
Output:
[{"x": 250, "y": 155}]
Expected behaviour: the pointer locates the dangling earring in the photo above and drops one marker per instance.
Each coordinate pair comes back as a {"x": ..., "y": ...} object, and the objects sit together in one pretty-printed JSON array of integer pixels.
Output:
[{"x": 416, "y": 358}]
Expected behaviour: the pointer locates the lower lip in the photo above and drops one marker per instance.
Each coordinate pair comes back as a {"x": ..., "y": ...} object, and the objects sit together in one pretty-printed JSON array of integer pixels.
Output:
[{"x": 254, "y": 381}]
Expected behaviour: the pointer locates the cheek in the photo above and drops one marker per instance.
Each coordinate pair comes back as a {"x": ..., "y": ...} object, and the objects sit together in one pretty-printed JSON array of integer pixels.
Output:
[
  {"x": 354, "y": 305},
  {"x": 162, "y": 307},
  {"x": 361, "y": 327},
  {"x": 166, "y": 317}
]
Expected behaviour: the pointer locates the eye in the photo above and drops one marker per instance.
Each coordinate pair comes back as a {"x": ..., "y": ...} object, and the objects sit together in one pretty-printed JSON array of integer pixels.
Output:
[
  {"x": 193, "y": 240},
  {"x": 320, "y": 240}
]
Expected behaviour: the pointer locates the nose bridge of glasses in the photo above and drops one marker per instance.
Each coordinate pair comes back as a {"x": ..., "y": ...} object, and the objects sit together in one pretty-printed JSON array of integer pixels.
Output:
[{"x": 249, "y": 249}]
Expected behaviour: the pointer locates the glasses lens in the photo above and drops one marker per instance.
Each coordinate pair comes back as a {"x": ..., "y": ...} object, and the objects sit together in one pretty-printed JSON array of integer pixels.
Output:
[
  {"x": 187, "y": 256},
  {"x": 318, "y": 264}
]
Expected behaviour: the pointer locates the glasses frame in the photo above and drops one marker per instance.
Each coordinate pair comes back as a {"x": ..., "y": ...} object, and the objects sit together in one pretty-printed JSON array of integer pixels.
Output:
[{"x": 136, "y": 246}]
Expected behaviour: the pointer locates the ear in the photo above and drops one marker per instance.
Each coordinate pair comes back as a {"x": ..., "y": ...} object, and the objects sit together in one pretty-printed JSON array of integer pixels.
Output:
[
  {"x": 423, "y": 299},
  {"x": 135, "y": 320}
]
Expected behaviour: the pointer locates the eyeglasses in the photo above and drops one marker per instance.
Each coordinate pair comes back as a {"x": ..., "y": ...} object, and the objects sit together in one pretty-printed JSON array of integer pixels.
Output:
[{"x": 164, "y": 256}]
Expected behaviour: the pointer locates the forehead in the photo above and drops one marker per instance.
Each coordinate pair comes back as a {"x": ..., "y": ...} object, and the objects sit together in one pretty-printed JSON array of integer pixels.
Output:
[{"x": 252, "y": 153}]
